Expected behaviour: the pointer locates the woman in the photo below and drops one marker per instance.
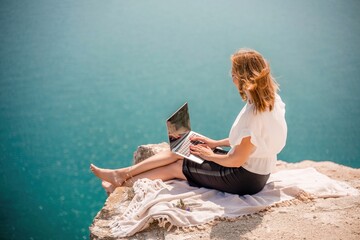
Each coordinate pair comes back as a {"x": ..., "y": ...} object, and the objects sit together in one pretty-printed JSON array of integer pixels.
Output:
[{"x": 256, "y": 137}]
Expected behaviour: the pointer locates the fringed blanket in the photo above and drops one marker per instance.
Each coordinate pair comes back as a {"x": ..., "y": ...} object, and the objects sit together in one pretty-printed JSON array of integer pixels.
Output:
[{"x": 175, "y": 203}]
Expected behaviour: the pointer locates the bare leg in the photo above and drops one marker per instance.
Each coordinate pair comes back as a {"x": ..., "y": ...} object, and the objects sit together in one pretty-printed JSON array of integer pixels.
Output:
[
  {"x": 118, "y": 176},
  {"x": 167, "y": 172}
]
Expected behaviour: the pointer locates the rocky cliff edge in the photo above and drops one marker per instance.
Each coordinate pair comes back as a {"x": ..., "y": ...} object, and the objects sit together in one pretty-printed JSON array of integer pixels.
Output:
[{"x": 332, "y": 218}]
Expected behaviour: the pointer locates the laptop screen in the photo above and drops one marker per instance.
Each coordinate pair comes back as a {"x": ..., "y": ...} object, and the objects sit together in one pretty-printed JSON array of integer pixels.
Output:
[{"x": 178, "y": 125}]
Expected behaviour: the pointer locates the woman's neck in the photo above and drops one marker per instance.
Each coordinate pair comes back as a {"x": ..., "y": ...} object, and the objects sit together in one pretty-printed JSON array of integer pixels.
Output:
[{"x": 248, "y": 96}]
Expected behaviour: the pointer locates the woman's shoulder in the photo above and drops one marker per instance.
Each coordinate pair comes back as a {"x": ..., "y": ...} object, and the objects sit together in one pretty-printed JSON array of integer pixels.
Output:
[
  {"x": 247, "y": 113},
  {"x": 279, "y": 102},
  {"x": 279, "y": 108}
]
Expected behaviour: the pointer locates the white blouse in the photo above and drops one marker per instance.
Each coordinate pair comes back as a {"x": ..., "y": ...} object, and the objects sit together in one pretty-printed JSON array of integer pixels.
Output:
[{"x": 268, "y": 131}]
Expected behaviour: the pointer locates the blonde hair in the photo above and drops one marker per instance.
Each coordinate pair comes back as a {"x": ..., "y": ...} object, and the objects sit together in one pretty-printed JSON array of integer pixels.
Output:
[{"x": 252, "y": 72}]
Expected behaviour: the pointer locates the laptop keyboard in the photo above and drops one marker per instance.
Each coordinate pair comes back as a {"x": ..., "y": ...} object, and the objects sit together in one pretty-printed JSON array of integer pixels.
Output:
[{"x": 184, "y": 149}]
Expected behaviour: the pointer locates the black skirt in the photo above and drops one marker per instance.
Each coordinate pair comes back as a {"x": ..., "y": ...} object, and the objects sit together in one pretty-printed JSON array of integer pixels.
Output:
[{"x": 226, "y": 179}]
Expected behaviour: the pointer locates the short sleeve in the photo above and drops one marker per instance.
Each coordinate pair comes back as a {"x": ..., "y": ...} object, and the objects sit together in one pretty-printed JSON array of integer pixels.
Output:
[
  {"x": 247, "y": 125},
  {"x": 243, "y": 133}
]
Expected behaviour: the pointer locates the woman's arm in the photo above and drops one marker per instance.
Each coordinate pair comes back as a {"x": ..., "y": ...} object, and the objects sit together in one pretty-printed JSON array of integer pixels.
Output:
[
  {"x": 212, "y": 143},
  {"x": 235, "y": 159},
  {"x": 223, "y": 143}
]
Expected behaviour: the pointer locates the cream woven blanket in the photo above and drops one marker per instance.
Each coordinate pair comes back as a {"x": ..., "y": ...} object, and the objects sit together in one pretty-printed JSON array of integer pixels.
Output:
[{"x": 175, "y": 203}]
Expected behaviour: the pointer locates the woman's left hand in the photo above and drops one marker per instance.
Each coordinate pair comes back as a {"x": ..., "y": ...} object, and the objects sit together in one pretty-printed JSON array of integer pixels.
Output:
[{"x": 202, "y": 151}]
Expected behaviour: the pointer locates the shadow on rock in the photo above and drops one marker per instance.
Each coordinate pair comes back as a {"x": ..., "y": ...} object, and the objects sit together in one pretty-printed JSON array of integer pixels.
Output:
[{"x": 235, "y": 229}]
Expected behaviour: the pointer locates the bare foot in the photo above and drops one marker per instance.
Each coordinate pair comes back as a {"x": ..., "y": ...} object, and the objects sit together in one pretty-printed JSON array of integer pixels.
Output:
[
  {"x": 109, "y": 188},
  {"x": 115, "y": 177}
]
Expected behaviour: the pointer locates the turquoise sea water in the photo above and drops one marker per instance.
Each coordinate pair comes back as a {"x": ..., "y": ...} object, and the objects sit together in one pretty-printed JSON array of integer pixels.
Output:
[{"x": 89, "y": 81}]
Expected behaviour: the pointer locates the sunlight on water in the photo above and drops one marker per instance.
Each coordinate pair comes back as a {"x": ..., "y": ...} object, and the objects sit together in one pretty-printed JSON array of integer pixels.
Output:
[{"x": 89, "y": 81}]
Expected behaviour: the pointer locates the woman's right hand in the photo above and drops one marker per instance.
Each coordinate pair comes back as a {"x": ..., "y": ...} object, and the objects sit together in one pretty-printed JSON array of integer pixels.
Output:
[{"x": 205, "y": 141}]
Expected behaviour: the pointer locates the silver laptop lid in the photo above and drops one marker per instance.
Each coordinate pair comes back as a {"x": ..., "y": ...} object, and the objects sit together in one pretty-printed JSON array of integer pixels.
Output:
[{"x": 178, "y": 125}]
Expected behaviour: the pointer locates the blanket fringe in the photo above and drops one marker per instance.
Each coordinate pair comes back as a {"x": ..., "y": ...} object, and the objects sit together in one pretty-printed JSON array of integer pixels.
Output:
[
  {"x": 134, "y": 197},
  {"x": 302, "y": 197}
]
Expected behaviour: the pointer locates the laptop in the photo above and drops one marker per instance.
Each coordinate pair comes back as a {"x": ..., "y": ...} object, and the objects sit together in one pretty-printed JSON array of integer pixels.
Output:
[{"x": 179, "y": 133}]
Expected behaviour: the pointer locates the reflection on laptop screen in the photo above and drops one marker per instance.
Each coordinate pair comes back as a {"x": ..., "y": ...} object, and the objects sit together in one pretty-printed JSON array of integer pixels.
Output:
[{"x": 178, "y": 125}]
